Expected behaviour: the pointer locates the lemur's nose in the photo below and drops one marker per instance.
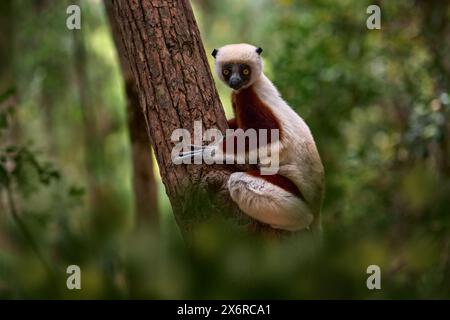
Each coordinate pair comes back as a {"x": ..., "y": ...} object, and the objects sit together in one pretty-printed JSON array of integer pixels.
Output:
[{"x": 235, "y": 82}]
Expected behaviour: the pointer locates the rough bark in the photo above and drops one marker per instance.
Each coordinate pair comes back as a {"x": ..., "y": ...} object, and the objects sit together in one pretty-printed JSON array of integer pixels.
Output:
[
  {"x": 175, "y": 87},
  {"x": 144, "y": 185}
]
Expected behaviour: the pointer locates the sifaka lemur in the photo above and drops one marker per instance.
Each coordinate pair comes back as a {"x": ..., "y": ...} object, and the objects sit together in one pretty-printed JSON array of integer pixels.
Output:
[{"x": 290, "y": 199}]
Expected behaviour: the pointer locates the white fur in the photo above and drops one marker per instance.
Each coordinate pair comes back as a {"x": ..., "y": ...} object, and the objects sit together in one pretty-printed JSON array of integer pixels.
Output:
[
  {"x": 268, "y": 203},
  {"x": 299, "y": 159}
]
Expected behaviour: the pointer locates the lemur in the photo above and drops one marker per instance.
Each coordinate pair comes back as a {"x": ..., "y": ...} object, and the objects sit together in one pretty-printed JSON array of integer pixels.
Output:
[{"x": 291, "y": 199}]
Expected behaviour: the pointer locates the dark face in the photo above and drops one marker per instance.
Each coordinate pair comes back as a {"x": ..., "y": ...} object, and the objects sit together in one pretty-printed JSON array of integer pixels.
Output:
[{"x": 236, "y": 75}]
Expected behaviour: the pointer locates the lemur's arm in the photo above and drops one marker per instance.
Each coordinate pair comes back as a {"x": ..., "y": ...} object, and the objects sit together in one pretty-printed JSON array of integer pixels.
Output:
[
  {"x": 254, "y": 141},
  {"x": 239, "y": 145}
]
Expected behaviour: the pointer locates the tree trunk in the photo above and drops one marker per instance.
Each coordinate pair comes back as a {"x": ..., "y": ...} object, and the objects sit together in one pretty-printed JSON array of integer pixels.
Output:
[
  {"x": 8, "y": 96},
  {"x": 6, "y": 45},
  {"x": 93, "y": 147},
  {"x": 144, "y": 185},
  {"x": 175, "y": 88},
  {"x": 8, "y": 85}
]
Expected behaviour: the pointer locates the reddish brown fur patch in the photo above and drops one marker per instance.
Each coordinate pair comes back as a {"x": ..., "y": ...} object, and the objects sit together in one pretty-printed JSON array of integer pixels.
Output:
[
  {"x": 232, "y": 124},
  {"x": 278, "y": 180},
  {"x": 252, "y": 113}
]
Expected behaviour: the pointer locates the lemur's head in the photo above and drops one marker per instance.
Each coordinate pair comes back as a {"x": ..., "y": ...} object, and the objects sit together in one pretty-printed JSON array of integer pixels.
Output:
[{"x": 238, "y": 65}]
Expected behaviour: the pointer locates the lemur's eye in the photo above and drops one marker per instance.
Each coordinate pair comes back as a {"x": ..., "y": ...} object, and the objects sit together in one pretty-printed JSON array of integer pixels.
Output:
[
  {"x": 226, "y": 72},
  {"x": 245, "y": 72}
]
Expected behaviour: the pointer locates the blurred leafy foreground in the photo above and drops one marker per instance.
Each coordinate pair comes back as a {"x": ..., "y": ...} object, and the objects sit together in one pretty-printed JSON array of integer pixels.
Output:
[{"x": 377, "y": 103}]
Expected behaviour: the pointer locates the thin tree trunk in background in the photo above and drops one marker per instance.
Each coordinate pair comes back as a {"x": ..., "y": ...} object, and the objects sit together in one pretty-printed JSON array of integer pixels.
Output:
[
  {"x": 6, "y": 45},
  {"x": 46, "y": 97},
  {"x": 93, "y": 156},
  {"x": 175, "y": 87},
  {"x": 8, "y": 106},
  {"x": 144, "y": 184},
  {"x": 8, "y": 85}
]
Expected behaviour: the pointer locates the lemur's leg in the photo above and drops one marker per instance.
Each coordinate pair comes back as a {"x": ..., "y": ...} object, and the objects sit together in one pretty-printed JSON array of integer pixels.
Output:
[{"x": 268, "y": 202}]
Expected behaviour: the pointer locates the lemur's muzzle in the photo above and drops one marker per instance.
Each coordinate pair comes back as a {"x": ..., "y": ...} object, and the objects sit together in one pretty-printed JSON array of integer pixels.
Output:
[{"x": 235, "y": 82}]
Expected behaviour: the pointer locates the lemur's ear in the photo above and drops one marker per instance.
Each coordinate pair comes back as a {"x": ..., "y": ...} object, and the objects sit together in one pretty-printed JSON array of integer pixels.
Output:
[
  {"x": 214, "y": 52},
  {"x": 259, "y": 50}
]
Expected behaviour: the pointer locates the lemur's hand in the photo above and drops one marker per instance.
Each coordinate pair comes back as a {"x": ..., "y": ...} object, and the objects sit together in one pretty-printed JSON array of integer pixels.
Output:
[{"x": 209, "y": 153}]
